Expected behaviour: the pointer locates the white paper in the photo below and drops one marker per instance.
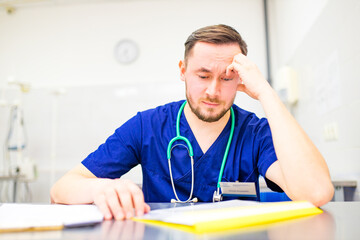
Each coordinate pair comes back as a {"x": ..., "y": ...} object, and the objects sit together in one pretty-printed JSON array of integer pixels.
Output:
[
  {"x": 180, "y": 215},
  {"x": 13, "y": 215}
]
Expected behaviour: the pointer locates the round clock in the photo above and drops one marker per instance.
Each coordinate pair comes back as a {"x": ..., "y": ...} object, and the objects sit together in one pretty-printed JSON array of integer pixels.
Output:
[{"x": 126, "y": 51}]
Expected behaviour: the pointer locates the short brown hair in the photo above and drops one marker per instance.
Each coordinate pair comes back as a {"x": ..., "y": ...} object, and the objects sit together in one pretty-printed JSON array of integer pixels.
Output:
[{"x": 218, "y": 34}]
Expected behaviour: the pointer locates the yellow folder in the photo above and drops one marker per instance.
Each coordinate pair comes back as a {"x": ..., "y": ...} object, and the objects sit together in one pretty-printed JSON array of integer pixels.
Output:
[{"x": 219, "y": 219}]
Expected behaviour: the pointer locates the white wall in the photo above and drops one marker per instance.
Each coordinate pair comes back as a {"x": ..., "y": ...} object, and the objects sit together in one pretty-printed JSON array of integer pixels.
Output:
[
  {"x": 290, "y": 22},
  {"x": 320, "y": 40},
  {"x": 71, "y": 46}
]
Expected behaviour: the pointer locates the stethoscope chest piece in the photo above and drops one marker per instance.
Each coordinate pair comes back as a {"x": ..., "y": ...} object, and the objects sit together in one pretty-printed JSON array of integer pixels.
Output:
[{"x": 217, "y": 197}]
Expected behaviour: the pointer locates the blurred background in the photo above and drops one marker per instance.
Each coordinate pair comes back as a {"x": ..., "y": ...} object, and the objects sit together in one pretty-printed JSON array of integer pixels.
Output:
[{"x": 72, "y": 71}]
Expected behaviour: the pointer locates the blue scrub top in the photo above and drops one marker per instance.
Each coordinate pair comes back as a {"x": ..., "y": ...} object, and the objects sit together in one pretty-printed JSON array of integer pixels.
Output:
[{"x": 144, "y": 139}]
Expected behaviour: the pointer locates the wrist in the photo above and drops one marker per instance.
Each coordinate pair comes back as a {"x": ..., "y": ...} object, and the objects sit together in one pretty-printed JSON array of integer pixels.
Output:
[
  {"x": 99, "y": 185},
  {"x": 267, "y": 95}
]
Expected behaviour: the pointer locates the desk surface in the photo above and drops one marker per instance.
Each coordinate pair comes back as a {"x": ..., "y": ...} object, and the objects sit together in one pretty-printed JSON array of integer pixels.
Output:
[{"x": 340, "y": 220}]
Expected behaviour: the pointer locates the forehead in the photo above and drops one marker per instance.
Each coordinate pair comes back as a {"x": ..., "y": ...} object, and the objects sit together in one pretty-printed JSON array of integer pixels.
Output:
[{"x": 212, "y": 54}]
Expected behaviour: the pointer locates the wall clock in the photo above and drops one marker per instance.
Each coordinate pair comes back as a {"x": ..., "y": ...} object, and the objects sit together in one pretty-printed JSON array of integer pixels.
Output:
[{"x": 126, "y": 51}]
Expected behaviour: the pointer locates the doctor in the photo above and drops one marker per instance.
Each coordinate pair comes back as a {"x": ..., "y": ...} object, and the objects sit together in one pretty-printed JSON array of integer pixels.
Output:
[{"x": 214, "y": 68}]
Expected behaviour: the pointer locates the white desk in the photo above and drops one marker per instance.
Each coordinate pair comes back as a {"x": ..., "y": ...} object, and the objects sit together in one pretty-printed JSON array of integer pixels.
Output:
[
  {"x": 340, "y": 220},
  {"x": 340, "y": 190}
]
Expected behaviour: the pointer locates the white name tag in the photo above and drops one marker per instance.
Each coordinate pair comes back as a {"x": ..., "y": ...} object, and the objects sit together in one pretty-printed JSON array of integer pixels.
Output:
[{"x": 240, "y": 189}]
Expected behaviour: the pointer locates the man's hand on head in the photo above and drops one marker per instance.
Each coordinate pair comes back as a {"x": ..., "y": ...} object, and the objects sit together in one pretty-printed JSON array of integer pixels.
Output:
[
  {"x": 120, "y": 199},
  {"x": 251, "y": 81}
]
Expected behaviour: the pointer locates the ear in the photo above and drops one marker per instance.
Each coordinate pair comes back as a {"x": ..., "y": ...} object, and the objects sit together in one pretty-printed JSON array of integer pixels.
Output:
[{"x": 182, "y": 69}]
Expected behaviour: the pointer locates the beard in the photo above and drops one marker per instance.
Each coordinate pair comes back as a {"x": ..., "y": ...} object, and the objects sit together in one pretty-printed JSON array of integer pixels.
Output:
[{"x": 207, "y": 115}]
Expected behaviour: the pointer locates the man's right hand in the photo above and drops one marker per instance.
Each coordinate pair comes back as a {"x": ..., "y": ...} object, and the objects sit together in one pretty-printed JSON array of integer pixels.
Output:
[
  {"x": 120, "y": 199},
  {"x": 116, "y": 198}
]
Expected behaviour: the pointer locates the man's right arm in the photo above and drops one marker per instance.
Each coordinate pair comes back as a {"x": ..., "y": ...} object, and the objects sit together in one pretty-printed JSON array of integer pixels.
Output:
[{"x": 116, "y": 198}]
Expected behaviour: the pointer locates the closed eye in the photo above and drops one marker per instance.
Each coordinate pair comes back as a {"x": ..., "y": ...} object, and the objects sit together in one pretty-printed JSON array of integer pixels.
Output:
[{"x": 203, "y": 77}]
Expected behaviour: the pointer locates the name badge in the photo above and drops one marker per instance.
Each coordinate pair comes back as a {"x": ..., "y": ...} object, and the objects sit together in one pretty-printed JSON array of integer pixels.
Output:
[{"x": 238, "y": 189}]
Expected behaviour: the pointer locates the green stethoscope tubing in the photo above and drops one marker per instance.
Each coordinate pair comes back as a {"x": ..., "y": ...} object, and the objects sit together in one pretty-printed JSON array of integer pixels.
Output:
[
  {"x": 227, "y": 147},
  {"x": 191, "y": 152},
  {"x": 178, "y": 136}
]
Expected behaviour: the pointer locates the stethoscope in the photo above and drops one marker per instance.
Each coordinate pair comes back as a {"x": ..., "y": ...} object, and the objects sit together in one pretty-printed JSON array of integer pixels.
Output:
[{"x": 217, "y": 195}]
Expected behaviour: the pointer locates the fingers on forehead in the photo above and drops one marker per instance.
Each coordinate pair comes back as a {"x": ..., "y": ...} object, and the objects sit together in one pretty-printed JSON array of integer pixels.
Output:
[{"x": 239, "y": 58}]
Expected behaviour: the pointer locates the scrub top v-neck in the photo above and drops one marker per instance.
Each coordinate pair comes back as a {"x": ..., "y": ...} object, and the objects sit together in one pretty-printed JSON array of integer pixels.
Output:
[{"x": 144, "y": 138}]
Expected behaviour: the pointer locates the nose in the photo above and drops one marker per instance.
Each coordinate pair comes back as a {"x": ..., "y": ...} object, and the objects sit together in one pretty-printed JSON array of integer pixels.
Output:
[{"x": 213, "y": 88}]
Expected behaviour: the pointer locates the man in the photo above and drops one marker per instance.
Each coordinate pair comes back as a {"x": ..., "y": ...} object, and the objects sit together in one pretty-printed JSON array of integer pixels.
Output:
[{"x": 214, "y": 68}]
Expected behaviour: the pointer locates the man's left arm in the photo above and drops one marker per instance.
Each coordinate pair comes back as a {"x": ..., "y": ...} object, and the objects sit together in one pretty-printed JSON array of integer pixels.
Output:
[{"x": 300, "y": 171}]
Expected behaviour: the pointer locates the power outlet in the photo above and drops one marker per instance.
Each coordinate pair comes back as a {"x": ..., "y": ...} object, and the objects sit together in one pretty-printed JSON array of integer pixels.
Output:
[{"x": 330, "y": 131}]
